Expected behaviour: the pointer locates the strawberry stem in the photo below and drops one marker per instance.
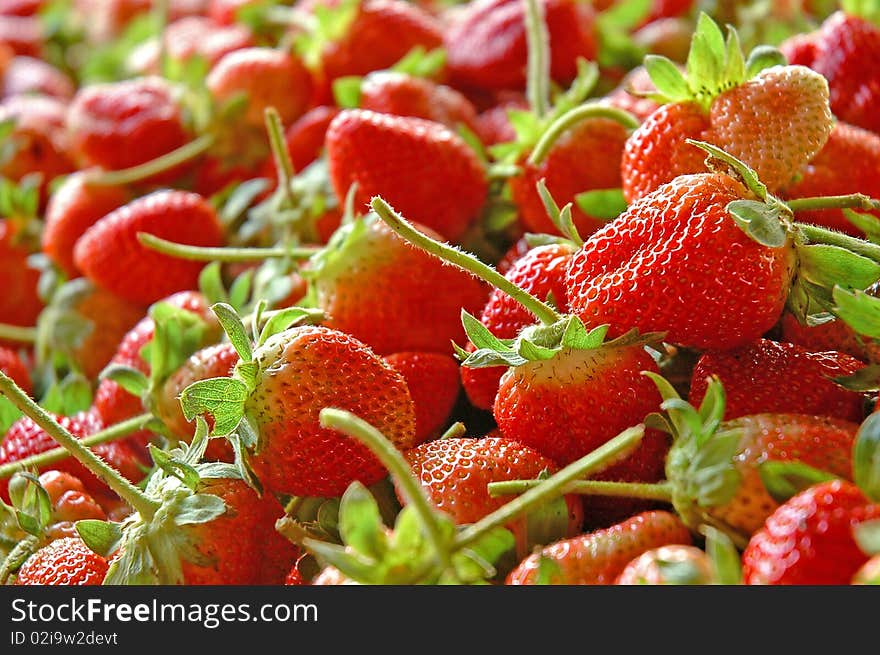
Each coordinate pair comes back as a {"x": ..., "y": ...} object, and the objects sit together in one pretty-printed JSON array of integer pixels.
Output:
[
  {"x": 538, "y": 63},
  {"x": 153, "y": 167},
  {"x": 553, "y": 486},
  {"x": 283, "y": 163},
  {"x": 18, "y": 333},
  {"x": 850, "y": 201},
  {"x": 816, "y": 234},
  {"x": 389, "y": 455},
  {"x": 144, "y": 505},
  {"x": 114, "y": 432},
  {"x": 207, "y": 254},
  {"x": 571, "y": 118},
  {"x": 544, "y": 312},
  {"x": 646, "y": 491}
]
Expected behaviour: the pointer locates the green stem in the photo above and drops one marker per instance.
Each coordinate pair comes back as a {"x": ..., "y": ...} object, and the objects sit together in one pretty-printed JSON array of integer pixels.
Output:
[
  {"x": 206, "y": 254},
  {"x": 18, "y": 333},
  {"x": 145, "y": 506},
  {"x": 816, "y": 234},
  {"x": 162, "y": 10},
  {"x": 553, "y": 486},
  {"x": 647, "y": 491},
  {"x": 571, "y": 118},
  {"x": 538, "y": 64},
  {"x": 454, "y": 431},
  {"x": 389, "y": 455},
  {"x": 850, "y": 201},
  {"x": 545, "y": 313},
  {"x": 154, "y": 166},
  {"x": 121, "y": 429},
  {"x": 283, "y": 164}
]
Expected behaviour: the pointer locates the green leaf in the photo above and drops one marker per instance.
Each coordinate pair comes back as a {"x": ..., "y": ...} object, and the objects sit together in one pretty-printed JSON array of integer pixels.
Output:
[
  {"x": 175, "y": 468},
  {"x": 200, "y": 508},
  {"x": 866, "y": 457},
  {"x": 762, "y": 57},
  {"x": 866, "y": 379},
  {"x": 476, "y": 562},
  {"x": 347, "y": 91},
  {"x": 667, "y": 78},
  {"x": 533, "y": 352},
  {"x": 827, "y": 266},
  {"x": 419, "y": 62},
  {"x": 130, "y": 379},
  {"x": 867, "y": 223},
  {"x": 211, "y": 283},
  {"x": 867, "y": 536},
  {"x": 480, "y": 335},
  {"x": 222, "y": 398},
  {"x": 760, "y": 221},
  {"x": 486, "y": 357},
  {"x": 360, "y": 523},
  {"x": 627, "y": 14},
  {"x": 603, "y": 204},
  {"x": 705, "y": 62},
  {"x": 748, "y": 175},
  {"x": 549, "y": 571},
  {"x": 784, "y": 479},
  {"x": 735, "y": 66},
  {"x": 577, "y": 336},
  {"x": 31, "y": 502},
  {"x": 282, "y": 320},
  {"x": 724, "y": 556},
  {"x": 240, "y": 290},
  {"x": 67, "y": 397},
  {"x": 102, "y": 537},
  {"x": 712, "y": 477},
  {"x": 858, "y": 310},
  {"x": 9, "y": 414},
  {"x": 234, "y": 328}
]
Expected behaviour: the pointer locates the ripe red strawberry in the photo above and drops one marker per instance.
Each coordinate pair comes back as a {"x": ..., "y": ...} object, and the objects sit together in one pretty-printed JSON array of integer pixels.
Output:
[
  {"x": 688, "y": 565},
  {"x": 625, "y": 95},
  {"x": 12, "y": 365},
  {"x": 389, "y": 92},
  {"x": 676, "y": 262},
  {"x": 29, "y": 75},
  {"x": 486, "y": 42},
  {"x": 70, "y": 503},
  {"x": 809, "y": 540},
  {"x": 421, "y": 297},
  {"x": 267, "y": 78},
  {"x": 213, "y": 361},
  {"x": 25, "y": 438},
  {"x": 775, "y": 122},
  {"x": 224, "y": 12},
  {"x": 780, "y": 378},
  {"x": 305, "y": 137},
  {"x": 433, "y": 383},
  {"x": 295, "y": 577},
  {"x": 38, "y": 140},
  {"x": 581, "y": 160},
  {"x": 23, "y": 34},
  {"x": 74, "y": 207},
  {"x": 455, "y": 474},
  {"x": 143, "y": 113},
  {"x": 493, "y": 124},
  {"x": 541, "y": 272},
  {"x": 833, "y": 335},
  {"x": 845, "y": 50},
  {"x": 67, "y": 562},
  {"x": 422, "y": 168},
  {"x": 599, "y": 557},
  {"x": 110, "y": 255},
  {"x": 20, "y": 303},
  {"x": 293, "y": 384},
  {"x": 845, "y": 165}
]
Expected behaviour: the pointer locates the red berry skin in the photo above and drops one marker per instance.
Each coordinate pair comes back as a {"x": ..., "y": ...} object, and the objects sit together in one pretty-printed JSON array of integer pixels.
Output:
[
  {"x": 676, "y": 262},
  {"x": 305, "y": 137},
  {"x": 486, "y": 42},
  {"x": 780, "y": 378},
  {"x": 295, "y": 383},
  {"x": 809, "y": 539},
  {"x": 20, "y": 303},
  {"x": 624, "y": 96},
  {"x": 13, "y": 366},
  {"x": 598, "y": 558},
  {"x": 142, "y": 113},
  {"x": 541, "y": 272},
  {"x": 585, "y": 159},
  {"x": 29, "y": 75},
  {"x": 73, "y": 208},
  {"x": 432, "y": 379},
  {"x": 268, "y": 78},
  {"x": 64, "y": 562},
  {"x": 23, "y": 34},
  {"x": 110, "y": 254},
  {"x": 833, "y": 335},
  {"x": 421, "y": 168}
]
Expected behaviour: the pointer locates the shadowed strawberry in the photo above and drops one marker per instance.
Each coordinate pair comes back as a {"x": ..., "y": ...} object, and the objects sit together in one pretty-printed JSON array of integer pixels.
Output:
[
  {"x": 13, "y": 366},
  {"x": 29, "y": 75},
  {"x": 433, "y": 383}
]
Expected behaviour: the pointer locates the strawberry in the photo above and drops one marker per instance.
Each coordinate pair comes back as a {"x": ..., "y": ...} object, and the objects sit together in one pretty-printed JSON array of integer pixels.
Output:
[
  {"x": 433, "y": 383},
  {"x": 486, "y": 42},
  {"x": 421, "y": 298},
  {"x": 37, "y": 142},
  {"x": 455, "y": 474},
  {"x": 845, "y": 51},
  {"x": 808, "y": 540},
  {"x": 110, "y": 255},
  {"x": 775, "y": 121},
  {"x": 295, "y": 577},
  {"x": 20, "y": 303},
  {"x": 832, "y": 335},
  {"x": 23, "y": 34},
  {"x": 493, "y": 124},
  {"x": 67, "y": 562},
  {"x": 674, "y": 564},
  {"x": 70, "y": 503},
  {"x": 390, "y": 92},
  {"x": 739, "y": 285},
  {"x": 780, "y": 378},
  {"x": 598, "y": 558},
  {"x": 411, "y": 162},
  {"x": 224, "y": 12},
  {"x": 13, "y": 366},
  {"x": 74, "y": 207},
  {"x": 627, "y": 95},
  {"x": 142, "y": 112},
  {"x": 305, "y": 136},
  {"x": 845, "y": 165},
  {"x": 28, "y": 75},
  {"x": 266, "y": 78},
  {"x": 541, "y": 272},
  {"x": 25, "y": 438}
]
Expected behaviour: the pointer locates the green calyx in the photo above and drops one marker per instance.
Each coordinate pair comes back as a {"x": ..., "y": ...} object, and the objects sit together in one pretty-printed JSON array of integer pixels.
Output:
[
  {"x": 714, "y": 65},
  {"x": 867, "y": 9}
]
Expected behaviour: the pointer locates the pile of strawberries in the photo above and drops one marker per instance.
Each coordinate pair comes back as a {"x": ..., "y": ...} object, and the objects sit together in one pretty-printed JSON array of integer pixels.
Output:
[{"x": 392, "y": 292}]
